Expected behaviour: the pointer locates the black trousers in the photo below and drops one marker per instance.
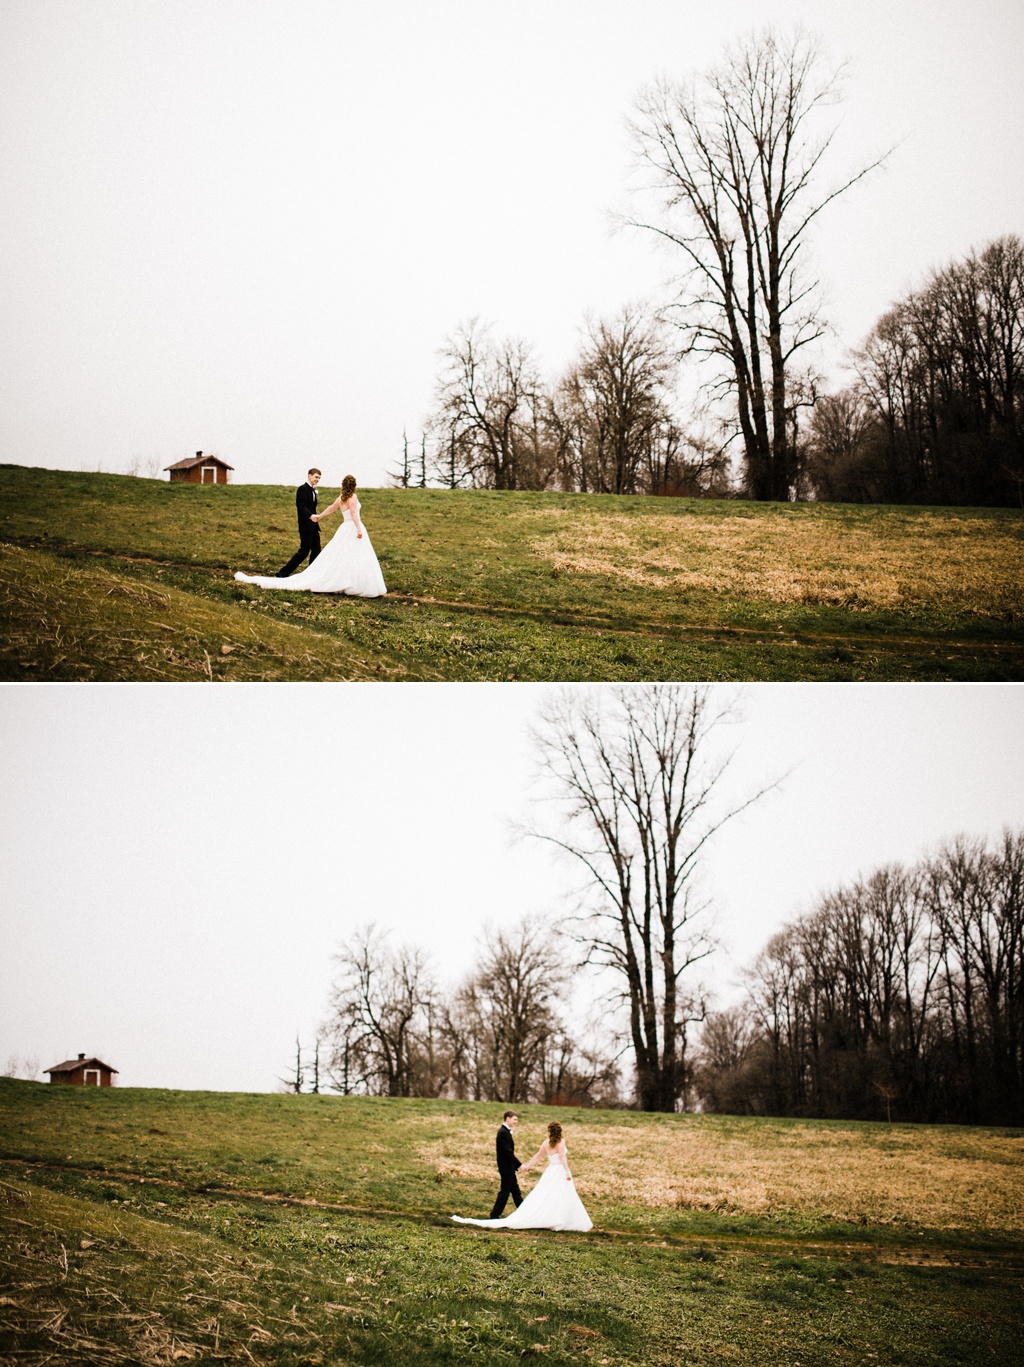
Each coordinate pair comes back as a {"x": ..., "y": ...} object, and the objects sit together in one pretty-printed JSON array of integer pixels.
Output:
[
  {"x": 309, "y": 537},
  {"x": 509, "y": 1187}
]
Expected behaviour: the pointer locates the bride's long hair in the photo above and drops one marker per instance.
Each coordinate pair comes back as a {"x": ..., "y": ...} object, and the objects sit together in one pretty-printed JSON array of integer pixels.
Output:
[
  {"x": 554, "y": 1134},
  {"x": 348, "y": 487}
]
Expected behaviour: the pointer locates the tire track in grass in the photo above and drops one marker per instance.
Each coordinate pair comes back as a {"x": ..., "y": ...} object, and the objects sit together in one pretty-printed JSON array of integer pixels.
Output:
[
  {"x": 918, "y": 1254},
  {"x": 776, "y": 636},
  {"x": 800, "y": 638}
]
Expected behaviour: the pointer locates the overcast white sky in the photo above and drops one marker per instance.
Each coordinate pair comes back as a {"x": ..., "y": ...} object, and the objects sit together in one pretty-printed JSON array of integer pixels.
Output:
[
  {"x": 179, "y": 863},
  {"x": 245, "y": 226}
]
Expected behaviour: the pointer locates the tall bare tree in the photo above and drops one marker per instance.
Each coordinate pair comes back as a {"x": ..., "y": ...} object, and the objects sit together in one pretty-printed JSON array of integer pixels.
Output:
[
  {"x": 734, "y": 156},
  {"x": 634, "y": 774}
]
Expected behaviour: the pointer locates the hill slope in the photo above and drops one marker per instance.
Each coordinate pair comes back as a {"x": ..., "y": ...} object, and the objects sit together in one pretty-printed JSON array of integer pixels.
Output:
[
  {"x": 489, "y": 586},
  {"x": 153, "y": 1226}
]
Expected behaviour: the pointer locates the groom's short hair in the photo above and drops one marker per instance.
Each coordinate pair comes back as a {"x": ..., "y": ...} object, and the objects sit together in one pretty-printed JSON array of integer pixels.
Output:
[
  {"x": 313, "y": 471},
  {"x": 509, "y": 1114}
]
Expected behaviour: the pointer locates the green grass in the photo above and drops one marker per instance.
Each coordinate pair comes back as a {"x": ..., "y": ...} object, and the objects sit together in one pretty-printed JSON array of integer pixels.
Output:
[
  {"x": 487, "y": 586},
  {"x": 153, "y": 1226}
]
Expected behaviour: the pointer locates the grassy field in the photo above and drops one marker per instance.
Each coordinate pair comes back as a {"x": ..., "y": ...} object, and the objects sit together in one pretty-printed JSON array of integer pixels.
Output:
[
  {"x": 109, "y": 577},
  {"x": 149, "y": 1226}
]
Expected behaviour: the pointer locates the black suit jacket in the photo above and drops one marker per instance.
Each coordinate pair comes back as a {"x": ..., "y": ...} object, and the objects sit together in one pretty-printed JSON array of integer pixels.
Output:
[
  {"x": 505, "y": 1145},
  {"x": 305, "y": 506}
]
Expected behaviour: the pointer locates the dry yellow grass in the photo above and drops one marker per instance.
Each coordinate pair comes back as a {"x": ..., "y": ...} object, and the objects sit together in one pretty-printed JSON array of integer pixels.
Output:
[
  {"x": 973, "y": 564},
  {"x": 923, "y": 1176}
]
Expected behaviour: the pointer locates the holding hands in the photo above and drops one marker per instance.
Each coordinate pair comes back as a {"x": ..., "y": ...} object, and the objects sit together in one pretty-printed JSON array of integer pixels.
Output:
[
  {"x": 349, "y": 504},
  {"x": 552, "y": 1148}
]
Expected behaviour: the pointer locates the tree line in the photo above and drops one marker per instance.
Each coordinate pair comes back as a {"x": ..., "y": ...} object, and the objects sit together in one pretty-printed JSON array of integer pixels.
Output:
[
  {"x": 899, "y": 996},
  {"x": 607, "y": 425},
  {"x": 936, "y": 414},
  {"x": 732, "y": 162},
  {"x": 500, "y": 1034}
]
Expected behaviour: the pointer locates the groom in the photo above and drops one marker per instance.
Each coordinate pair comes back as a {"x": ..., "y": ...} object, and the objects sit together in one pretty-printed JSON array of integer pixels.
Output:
[
  {"x": 309, "y": 531},
  {"x": 508, "y": 1163}
]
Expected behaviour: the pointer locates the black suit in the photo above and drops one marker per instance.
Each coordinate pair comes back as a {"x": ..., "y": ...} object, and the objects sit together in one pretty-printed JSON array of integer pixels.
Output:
[
  {"x": 508, "y": 1165},
  {"x": 309, "y": 532}
]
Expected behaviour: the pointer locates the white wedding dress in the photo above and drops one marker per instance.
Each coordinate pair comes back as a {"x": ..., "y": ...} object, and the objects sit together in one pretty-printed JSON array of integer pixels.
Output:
[
  {"x": 347, "y": 564},
  {"x": 552, "y": 1204}
]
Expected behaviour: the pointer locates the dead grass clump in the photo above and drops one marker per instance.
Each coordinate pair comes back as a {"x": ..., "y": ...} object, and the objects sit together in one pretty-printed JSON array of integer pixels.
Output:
[
  {"x": 152, "y": 600},
  {"x": 448, "y": 1163}
]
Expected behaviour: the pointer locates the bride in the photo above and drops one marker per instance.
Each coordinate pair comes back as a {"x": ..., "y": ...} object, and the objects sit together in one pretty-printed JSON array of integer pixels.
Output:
[
  {"x": 553, "y": 1202},
  {"x": 347, "y": 564}
]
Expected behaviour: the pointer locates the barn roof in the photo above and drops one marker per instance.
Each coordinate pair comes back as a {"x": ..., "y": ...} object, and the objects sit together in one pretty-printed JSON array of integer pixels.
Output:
[
  {"x": 198, "y": 459},
  {"x": 72, "y": 1063}
]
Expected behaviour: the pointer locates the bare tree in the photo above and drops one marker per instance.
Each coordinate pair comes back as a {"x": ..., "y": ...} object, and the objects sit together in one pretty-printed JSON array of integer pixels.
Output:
[
  {"x": 579, "y": 1070},
  {"x": 517, "y": 985},
  {"x": 498, "y": 1027},
  {"x": 691, "y": 461},
  {"x": 402, "y": 477},
  {"x": 976, "y": 896},
  {"x": 295, "y": 1082},
  {"x": 502, "y": 1034},
  {"x": 726, "y": 1045},
  {"x": 446, "y": 459},
  {"x": 488, "y": 406},
  {"x": 834, "y": 468},
  {"x": 634, "y": 774},
  {"x": 734, "y": 156},
  {"x": 461, "y": 1029},
  {"x": 612, "y": 407},
  {"x": 23, "y": 1067},
  {"x": 378, "y": 1024}
]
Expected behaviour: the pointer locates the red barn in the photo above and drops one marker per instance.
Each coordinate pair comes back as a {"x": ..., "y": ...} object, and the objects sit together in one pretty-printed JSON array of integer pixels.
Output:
[
  {"x": 200, "y": 469},
  {"x": 83, "y": 1072}
]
